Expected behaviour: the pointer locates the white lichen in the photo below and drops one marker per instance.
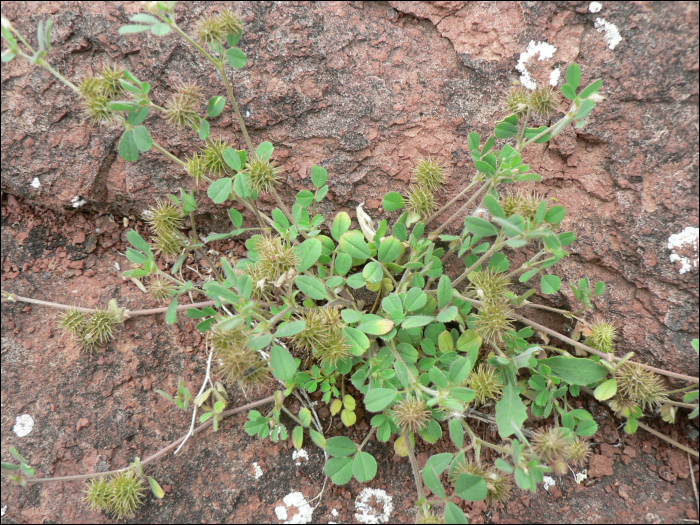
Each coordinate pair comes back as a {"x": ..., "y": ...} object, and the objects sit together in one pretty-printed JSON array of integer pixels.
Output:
[
  {"x": 548, "y": 482},
  {"x": 677, "y": 241},
  {"x": 35, "y": 183},
  {"x": 554, "y": 77},
  {"x": 77, "y": 201},
  {"x": 580, "y": 476},
  {"x": 612, "y": 33},
  {"x": 304, "y": 510},
  {"x": 23, "y": 425},
  {"x": 595, "y": 7},
  {"x": 298, "y": 455},
  {"x": 544, "y": 50},
  {"x": 366, "y": 513},
  {"x": 257, "y": 470}
]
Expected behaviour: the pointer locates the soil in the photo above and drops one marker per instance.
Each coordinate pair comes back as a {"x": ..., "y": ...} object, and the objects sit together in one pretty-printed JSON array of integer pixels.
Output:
[{"x": 98, "y": 412}]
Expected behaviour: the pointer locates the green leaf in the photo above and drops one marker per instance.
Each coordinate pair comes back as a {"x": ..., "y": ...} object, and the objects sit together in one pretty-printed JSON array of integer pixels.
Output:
[
  {"x": 456, "y": 433},
  {"x": 130, "y": 29},
  {"x": 139, "y": 243},
  {"x": 460, "y": 369},
  {"x": 351, "y": 316},
  {"x": 568, "y": 91},
  {"x": 432, "y": 480},
  {"x": 305, "y": 416},
  {"x": 236, "y": 217},
  {"x": 393, "y": 201},
  {"x": 298, "y": 437},
  {"x": 231, "y": 157},
  {"x": 309, "y": 251},
  {"x": 373, "y": 273},
  {"x": 392, "y": 303},
  {"x": 236, "y": 58},
  {"x": 586, "y": 428},
  {"x": 389, "y": 249},
  {"x": 527, "y": 276},
  {"x": 364, "y": 467},
  {"x": 341, "y": 224},
  {"x": 473, "y": 141},
  {"x": 319, "y": 176},
  {"x": 145, "y": 18},
  {"x": 343, "y": 263},
  {"x": 283, "y": 364},
  {"x": 356, "y": 280},
  {"x": 599, "y": 288},
  {"x": 484, "y": 167},
  {"x": 290, "y": 328},
  {"x": 128, "y": 149},
  {"x": 505, "y": 130},
  {"x": 376, "y": 326},
  {"x": 264, "y": 150},
  {"x": 448, "y": 314},
  {"x": 510, "y": 228},
  {"x": 415, "y": 299},
  {"x": 311, "y": 286},
  {"x": 575, "y": 370},
  {"x": 555, "y": 214},
  {"x": 171, "y": 315},
  {"x": 378, "y": 399},
  {"x": 353, "y": 243},
  {"x": 340, "y": 447},
  {"x": 471, "y": 487},
  {"x": 358, "y": 341},
  {"x": 453, "y": 514},
  {"x": 216, "y": 106},
  {"x": 592, "y": 88},
  {"x": 259, "y": 341},
  {"x": 479, "y": 227},
  {"x": 493, "y": 206},
  {"x": 155, "y": 488},
  {"x": 444, "y": 291},
  {"x": 510, "y": 411},
  {"x": 321, "y": 193},
  {"x": 233, "y": 38},
  {"x": 160, "y": 29},
  {"x": 137, "y": 117},
  {"x": 445, "y": 342},
  {"x": 203, "y": 129},
  {"x": 339, "y": 469},
  {"x": 220, "y": 190},
  {"x": 605, "y": 390},
  {"x": 317, "y": 438},
  {"x": 573, "y": 75},
  {"x": 417, "y": 320},
  {"x": 550, "y": 284}
]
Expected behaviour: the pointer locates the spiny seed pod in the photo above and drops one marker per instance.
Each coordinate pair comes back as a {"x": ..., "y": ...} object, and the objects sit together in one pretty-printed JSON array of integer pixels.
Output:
[
  {"x": 223, "y": 339},
  {"x": 421, "y": 201},
  {"x": 411, "y": 415},
  {"x": 465, "y": 466},
  {"x": 263, "y": 173},
  {"x": 165, "y": 217},
  {"x": 230, "y": 22},
  {"x": 493, "y": 320},
  {"x": 195, "y": 167},
  {"x": 262, "y": 286},
  {"x": 551, "y": 444},
  {"x": 97, "y": 494},
  {"x": 602, "y": 336},
  {"x": 126, "y": 493},
  {"x": 486, "y": 382},
  {"x": 209, "y": 30},
  {"x": 428, "y": 516},
  {"x": 240, "y": 364},
  {"x": 110, "y": 80},
  {"x": 180, "y": 110},
  {"x": 96, "y": 109},
  {"x": 274, "y": 257},
  {"x": 73, "y": 321},
  {"x": 190, "y": 91},
  {"x": 213, "y": 157},
  {"x": 488, "y": 284},
  {"x": 160, "y": 288},
  {"x": 543, "y": 101},
  {"x": 169, "y": 243},
  {"x": 429, "y": 174},
  {"x": 91, "y": 86},
  {"x": 497, "y": 485},
  {"x": 521, "y": 203},
  {"x": 98, "y": 328},
  {"x": 578, "y": 451},
  {"x": 518, "y": 101},
  {"x": 624, "y": 407},
  {"x": 323, "y": 336},
  {"x": 640, "y": 385}
]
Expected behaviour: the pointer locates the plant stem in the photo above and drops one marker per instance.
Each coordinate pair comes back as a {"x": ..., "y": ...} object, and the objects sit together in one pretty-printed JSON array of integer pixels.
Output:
[
  {"x": 496, "y": 246},
  {"x": 452, "y": 201},
  {"x": 160, "y": 453},
  {"x": 464, "y": 207},
  {"x": 364, "y": 441},
  {"x": 286, "y": 211},
  {"x": 414, "y": 465},
  {"x": 168, "y": 154}
]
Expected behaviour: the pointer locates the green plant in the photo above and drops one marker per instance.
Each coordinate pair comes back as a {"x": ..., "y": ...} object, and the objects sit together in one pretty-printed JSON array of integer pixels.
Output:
[{"x": 424, "y": 353}]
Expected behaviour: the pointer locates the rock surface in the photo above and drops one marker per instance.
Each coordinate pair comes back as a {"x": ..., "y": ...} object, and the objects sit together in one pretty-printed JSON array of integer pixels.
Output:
[{"x": 366, "y": 88}]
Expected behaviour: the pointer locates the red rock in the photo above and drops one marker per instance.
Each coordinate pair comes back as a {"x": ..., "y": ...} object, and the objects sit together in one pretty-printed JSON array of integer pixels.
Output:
[
  {"x": 600, "y": 466},
  {"x": 82, "y": 423}
]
